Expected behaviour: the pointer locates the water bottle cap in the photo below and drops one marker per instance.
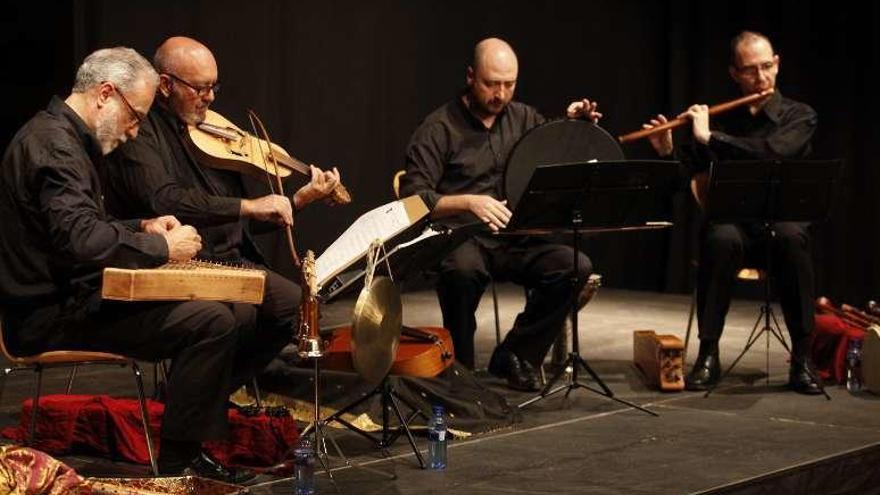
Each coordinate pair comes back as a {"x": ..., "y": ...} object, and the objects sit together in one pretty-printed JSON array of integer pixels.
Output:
[{"x": 438, "y": 410}]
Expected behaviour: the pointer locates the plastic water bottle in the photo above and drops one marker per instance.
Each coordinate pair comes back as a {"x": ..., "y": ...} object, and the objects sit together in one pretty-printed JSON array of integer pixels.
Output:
[
  {"x": 437, "y": 440},
  {"x": 854, "y": 366},
  {"x": 304, "y": 467}
]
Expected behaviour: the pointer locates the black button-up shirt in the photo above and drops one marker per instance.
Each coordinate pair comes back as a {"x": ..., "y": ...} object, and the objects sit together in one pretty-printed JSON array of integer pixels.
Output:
[
  {"x": 782, "y": 128},
  {"x": 452, "y": 152},
  {"x": 55, "y": 236},
  {"x": 157, "y": 174}
]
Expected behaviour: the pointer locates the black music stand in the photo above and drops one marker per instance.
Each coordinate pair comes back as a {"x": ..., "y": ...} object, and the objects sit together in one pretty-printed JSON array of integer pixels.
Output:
[
  {"x": 581, "y": 197},
  {"x": 765, "y": 192}
]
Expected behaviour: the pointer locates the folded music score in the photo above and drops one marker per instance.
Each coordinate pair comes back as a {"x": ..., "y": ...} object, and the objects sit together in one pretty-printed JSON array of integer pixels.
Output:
[
  {"x": 192, "y": 280},
  {"x": 382, "y": 223}
]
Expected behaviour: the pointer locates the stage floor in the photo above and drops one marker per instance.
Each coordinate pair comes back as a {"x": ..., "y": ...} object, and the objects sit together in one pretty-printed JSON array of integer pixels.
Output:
[{"x": 746, "y": 436}]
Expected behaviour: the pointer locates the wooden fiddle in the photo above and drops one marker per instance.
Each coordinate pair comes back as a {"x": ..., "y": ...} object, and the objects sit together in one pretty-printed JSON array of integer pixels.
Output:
[{"x": 218, "y": 143}]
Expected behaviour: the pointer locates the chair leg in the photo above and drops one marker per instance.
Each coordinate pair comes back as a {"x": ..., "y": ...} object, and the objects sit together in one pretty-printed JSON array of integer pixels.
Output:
[
  {"x": 145, "y": 418},
  {"x": 70, "y": 379},
  {"x": 38, "y": 388},
  {"x": 258, "y": 398},
  {"x": 497, "y": 318},
  {"x": 687, "y": 335}
]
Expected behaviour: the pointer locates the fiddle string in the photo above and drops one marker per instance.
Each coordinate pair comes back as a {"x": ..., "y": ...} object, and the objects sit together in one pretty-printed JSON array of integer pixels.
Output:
[{"x": 263, "y": 134}]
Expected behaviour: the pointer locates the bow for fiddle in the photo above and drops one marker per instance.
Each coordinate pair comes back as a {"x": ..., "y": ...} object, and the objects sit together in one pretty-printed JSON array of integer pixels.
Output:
[{"x": 259, "y": 128}]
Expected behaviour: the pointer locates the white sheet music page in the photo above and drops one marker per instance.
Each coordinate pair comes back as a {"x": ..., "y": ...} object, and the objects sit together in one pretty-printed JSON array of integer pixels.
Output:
[{"x": 381, "y": 223}]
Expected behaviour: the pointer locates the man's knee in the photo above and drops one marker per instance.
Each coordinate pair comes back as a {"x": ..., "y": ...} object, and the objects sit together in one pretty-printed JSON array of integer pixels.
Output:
[
  {"x": 210, "y": 320},
  {"x": 790, "y": 238},
  {"x": 724, "y": 240}
]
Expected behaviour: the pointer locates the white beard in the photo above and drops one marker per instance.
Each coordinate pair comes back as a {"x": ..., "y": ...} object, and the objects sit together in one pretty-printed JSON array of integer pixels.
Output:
[{"x": 108, "y": 131}]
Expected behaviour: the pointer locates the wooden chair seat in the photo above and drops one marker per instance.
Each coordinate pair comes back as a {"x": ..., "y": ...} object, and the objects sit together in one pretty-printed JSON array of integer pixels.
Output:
[{"x": 65, "y": 357}]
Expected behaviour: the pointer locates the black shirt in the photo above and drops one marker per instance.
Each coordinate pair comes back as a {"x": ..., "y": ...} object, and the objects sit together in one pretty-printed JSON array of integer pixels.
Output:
[
  {"x": 782, "y": 128},
  {"x": 55, "y": 236},
  {"x": 157, "y": 174},
  {"x": 452, "y": 152}
]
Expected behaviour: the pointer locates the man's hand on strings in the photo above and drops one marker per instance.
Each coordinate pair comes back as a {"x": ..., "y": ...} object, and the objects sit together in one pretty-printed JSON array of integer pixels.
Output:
[
  {"x": 321, "y": 185},
  {"x": 270, "y": 208},
  {"x": 584, "y": 109},
  {"x": 183, "y": 243},
  {"x": 661, "y": 141},
  {"x": 699, "y": 115},
  {"x": 159, "y": 225},
  {"x": 492, "y": 212}
]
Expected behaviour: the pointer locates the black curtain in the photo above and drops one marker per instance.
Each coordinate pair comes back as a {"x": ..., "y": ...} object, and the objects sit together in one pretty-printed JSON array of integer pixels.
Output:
[{"x": 344, "y": 83}]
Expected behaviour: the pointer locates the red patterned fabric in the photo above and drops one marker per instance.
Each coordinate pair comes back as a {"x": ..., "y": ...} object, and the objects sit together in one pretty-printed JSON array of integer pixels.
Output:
[
  {"x": 830, "y": 342},
  {"x": 112, "y": 427},
  {"x": 25, "y": 471}
]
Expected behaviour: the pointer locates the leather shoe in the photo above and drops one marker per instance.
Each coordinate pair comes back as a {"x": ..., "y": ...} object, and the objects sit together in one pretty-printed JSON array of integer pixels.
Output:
[
  {"x": 799, "y": 378},
  {"x": 705, "y": 372},
  {"x": 519, "y": 373},
  {"x": 206, "y": 467}
]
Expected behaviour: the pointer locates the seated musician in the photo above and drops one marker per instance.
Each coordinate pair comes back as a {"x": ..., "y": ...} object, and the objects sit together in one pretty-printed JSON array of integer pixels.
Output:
[
  {"x": 773, "y": 128},
  {"x": 55, "y": 239},
  {"x": 455, "y": 162},
  {"x": 158, "y": 175}
]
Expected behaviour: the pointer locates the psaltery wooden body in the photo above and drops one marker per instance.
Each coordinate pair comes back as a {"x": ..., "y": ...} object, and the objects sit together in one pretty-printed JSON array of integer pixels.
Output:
[{"x": 193, "y": 280}]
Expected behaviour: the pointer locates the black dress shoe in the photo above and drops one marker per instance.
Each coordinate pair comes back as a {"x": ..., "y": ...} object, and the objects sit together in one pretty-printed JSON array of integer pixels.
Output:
[
  {"x": 520, "y": 374},
  {"x": 799, "y": 378},
  {"x": 206, "y": 467},
  {"x": 705, "y": 373}
]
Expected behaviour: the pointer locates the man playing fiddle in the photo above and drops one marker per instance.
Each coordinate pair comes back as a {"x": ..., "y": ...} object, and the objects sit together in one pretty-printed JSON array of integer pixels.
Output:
[
  {"x": 772, "y": 128},
  {"x": 158, "y": 173}
]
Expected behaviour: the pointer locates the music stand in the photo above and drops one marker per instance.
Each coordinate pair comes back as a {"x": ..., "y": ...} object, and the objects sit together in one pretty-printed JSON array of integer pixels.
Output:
[
  {"x": 605, "y": 196},
  {"x": 765, "y": 192}
]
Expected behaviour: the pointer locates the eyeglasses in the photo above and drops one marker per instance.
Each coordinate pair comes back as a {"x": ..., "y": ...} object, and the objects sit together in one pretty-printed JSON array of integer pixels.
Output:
[
  {"x": 201, "y": 91},
  {"x": 753, "y": 70},
  {"x": 137, "y": 116}
]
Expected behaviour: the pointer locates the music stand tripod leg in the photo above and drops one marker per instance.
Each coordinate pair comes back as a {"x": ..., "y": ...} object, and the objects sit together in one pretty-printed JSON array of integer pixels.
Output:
[{"x": 575, "y": 360}]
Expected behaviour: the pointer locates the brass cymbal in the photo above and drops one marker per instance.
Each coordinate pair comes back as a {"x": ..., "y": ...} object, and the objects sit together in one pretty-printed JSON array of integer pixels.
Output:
[{"x": 375, "y": 329}]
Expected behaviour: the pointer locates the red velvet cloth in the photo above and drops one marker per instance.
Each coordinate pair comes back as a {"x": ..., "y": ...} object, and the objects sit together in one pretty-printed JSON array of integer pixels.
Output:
[
  {"x": 112, "y": 427},
  {"x": 830, "y": 342}
]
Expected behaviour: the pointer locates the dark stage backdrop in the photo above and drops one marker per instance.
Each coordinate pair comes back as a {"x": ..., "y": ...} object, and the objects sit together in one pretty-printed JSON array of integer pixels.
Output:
[{"x": 345, "y": 83}]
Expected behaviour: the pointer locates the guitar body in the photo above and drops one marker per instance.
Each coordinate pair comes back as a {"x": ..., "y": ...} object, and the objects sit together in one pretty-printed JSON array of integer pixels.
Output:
[{"x": 425, "y": 355}]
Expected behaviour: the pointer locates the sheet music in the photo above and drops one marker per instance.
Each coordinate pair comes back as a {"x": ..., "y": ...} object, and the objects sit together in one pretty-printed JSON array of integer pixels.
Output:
[{"x": 381, "y": 223}]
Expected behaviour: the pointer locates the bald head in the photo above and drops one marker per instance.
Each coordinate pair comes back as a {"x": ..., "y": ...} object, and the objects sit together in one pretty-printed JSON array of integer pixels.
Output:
[
  {"x": 188, "y": 77},
  {"x": 179, "y": 53},
  {"x": 491, "y": 78},
  {"x": 495, "y": 53}
]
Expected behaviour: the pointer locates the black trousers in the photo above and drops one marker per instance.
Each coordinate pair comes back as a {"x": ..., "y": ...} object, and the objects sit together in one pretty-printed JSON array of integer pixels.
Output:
[
  {"x": 543, "y": 268},
  {"x": 726, "y": 248},
  {"x": 214, "y": 347}
]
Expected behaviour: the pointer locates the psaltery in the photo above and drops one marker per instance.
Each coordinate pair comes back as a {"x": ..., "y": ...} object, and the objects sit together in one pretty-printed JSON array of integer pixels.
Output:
[{"x": 192, "y": 280}]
